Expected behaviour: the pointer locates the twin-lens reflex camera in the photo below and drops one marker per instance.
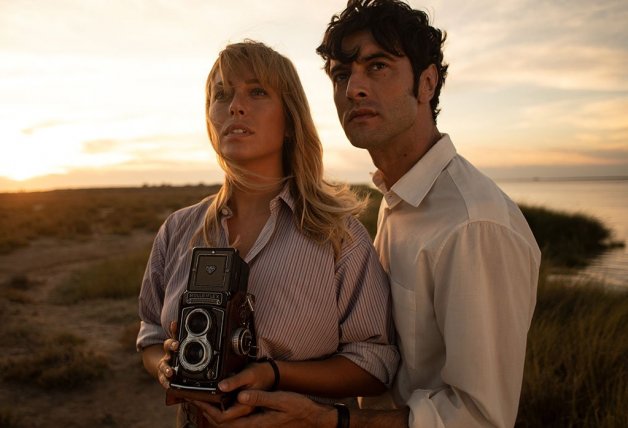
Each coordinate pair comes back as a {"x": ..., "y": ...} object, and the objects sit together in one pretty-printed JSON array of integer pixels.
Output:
[{"x": 216, "y": 330}]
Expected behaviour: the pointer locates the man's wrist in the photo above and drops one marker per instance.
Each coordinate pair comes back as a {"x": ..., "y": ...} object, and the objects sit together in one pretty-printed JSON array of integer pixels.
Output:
[
  {"x": 343, "y": 420},
  {"x": 327, "y": 418}
]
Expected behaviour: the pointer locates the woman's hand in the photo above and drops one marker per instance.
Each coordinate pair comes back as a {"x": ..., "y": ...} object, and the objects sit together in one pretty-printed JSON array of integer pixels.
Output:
[
  {"x": 164, "y": 371},
  {"x": 156, "y": 358}
]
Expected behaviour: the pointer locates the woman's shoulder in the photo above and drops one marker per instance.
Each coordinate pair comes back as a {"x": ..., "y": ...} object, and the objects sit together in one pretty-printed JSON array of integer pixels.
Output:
[
  {"x": 190, "y": 215},
  {"x": 358, "y": 235}
]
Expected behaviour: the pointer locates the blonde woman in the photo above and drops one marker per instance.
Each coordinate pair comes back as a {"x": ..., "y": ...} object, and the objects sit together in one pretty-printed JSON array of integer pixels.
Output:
[{"x": 322, "y": 299}]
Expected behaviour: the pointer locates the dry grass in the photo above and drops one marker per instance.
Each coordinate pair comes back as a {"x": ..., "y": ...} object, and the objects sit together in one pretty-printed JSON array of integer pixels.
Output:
[
  {"x": 116, "y": 278},
  {"x": 576, "y": 370},
  {"x": 80, "y": 214},
  {"x": 576, "y": 365},
  {"x": 58, "y": 363}
]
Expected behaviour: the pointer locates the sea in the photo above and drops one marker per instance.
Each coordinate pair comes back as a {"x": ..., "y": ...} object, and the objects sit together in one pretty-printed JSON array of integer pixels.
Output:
[{"x": 605, "y": 199}]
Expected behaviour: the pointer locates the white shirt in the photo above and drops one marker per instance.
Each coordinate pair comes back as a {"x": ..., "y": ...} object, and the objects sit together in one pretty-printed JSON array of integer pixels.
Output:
[{"x": 463, "y": 266}]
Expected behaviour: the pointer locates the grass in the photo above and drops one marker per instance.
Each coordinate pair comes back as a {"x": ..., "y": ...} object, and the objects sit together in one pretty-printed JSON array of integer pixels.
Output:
[
  {"x": 59, "y": 363},
  {"x": 576, "y": 370},
  {"x": 567, "y": 240},
  {"x": 116, "y": 278},
  {"x": 16, "y": 289},
  {"x": 83, "y": 213}
]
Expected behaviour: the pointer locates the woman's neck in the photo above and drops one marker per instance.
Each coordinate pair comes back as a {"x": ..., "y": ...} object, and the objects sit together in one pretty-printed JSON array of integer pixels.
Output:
[{"x": 252, "y": 202}]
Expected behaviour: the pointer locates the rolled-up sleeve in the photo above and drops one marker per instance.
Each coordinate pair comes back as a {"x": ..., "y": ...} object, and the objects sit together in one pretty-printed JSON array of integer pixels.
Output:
[
  {"x": 364, "y": 308},
  {"x": 486, "y": 277},
  {"x": 151, "y": 298}
]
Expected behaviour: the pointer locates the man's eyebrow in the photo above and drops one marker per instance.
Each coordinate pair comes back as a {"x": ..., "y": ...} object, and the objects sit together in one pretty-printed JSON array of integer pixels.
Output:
[
  {"x": 339, "y": 66},
  {"x": 376, "y": 55},
  {"x": 359, "y": 59}
]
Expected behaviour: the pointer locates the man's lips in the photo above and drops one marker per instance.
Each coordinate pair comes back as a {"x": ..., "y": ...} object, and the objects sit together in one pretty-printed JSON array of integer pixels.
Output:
[{"x": 361, "y": 113}]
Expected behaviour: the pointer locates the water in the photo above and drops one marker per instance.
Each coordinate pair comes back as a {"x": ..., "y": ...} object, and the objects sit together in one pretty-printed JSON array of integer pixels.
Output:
[{"x": 606, "y": 200}]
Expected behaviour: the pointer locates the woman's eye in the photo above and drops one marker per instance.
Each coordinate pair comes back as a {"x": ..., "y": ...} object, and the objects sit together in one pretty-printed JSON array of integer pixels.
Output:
[
  {"x": 258, "y": 91},
  {"x": 219, "y": 94}
]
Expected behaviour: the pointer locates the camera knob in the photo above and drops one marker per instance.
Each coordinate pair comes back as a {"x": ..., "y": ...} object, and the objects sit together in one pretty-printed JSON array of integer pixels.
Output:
[{"x": 241, "y": 341}]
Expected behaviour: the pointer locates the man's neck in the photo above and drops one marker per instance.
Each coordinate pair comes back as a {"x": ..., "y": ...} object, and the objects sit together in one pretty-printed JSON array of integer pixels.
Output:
[{"x": 397, "y": 158}]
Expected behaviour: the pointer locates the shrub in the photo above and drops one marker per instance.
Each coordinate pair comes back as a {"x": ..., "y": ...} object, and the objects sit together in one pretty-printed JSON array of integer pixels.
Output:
[
  {"x": 567, "y": 239},
  {"x": 116, "y": 278},
  {"x": 60, "y": 363},
  {"x": 576, "y": 370}
]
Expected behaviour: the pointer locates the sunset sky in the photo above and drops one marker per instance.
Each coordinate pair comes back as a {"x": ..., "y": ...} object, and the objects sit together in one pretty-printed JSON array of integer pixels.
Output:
[{"x": 110, "y": 93}]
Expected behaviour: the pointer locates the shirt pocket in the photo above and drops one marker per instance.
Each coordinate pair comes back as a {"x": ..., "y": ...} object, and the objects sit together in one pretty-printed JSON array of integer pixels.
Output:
[{"x": 405, "y": 317}]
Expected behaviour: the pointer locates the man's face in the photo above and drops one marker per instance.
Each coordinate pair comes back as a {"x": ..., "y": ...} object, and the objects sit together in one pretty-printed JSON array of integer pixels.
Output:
[{"x": 373, "y": 95}]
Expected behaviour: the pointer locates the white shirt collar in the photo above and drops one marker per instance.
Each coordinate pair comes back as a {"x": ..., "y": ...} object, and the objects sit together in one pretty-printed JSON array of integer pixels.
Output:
[{"x": 416, "y": 183}]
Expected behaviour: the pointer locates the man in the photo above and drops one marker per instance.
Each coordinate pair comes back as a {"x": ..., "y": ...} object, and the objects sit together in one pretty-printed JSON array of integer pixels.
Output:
[{"x": 462, "y": 260}]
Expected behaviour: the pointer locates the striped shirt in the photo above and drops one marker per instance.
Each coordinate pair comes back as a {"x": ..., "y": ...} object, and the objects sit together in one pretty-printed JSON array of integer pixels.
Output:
[{"x": 309, "y": 304}]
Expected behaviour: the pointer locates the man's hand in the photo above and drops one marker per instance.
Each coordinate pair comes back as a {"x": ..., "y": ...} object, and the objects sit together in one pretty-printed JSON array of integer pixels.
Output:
[
  {"x": 279, "y": 409},
  {"x": 254, "y": 376}
]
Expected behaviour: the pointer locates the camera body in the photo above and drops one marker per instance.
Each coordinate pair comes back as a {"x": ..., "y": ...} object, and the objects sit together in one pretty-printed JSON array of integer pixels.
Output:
[{"x": 215, "y": 324}]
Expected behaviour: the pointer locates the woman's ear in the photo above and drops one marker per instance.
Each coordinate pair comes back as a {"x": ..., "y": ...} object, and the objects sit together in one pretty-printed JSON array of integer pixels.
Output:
[{"x": 427, "y": 84}]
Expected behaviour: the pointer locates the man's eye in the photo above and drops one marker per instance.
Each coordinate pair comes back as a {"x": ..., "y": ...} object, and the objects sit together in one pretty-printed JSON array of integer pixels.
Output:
[
  {"x": 376, "y": 66},
  {"x": 339, "y": 77}
]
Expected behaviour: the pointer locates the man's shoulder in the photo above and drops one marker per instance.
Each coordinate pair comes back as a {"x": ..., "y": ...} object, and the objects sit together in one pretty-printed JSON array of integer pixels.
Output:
[{"x": 480, "y": 196}]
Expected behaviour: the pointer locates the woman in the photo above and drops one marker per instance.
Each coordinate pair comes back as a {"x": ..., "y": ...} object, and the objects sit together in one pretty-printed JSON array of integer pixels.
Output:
[{"x": 322, "y": 298}]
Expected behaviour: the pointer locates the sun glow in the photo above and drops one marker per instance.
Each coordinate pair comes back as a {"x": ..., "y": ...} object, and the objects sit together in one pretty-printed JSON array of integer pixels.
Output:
[{"x": 54, "y": 150}]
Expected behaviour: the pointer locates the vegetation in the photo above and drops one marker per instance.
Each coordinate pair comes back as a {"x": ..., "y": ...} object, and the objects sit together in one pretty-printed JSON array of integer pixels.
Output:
[
  {"x": 61, "y": 363},
  {"x": 82, "y": 213},
  {"x": 576, "y": 370},
  {"x": 577, "y": 360},
  {"x": 8, "y": 419},
  {"x": 568, "y": 240},
  {"x": 115, "y": 278}
]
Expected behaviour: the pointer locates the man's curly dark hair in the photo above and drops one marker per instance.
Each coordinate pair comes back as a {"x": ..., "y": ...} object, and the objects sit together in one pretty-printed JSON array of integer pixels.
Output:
[{"x": 398, "y": 29}]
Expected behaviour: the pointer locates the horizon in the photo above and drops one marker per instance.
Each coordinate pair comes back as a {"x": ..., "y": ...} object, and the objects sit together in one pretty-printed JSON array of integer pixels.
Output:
[
  {"x": 365, "y": 183},
  {"x": 534, "y": 89}
]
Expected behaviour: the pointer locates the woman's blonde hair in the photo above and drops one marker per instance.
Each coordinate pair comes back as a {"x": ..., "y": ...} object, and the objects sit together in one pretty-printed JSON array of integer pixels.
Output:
[{"x": 321, "y": 208}]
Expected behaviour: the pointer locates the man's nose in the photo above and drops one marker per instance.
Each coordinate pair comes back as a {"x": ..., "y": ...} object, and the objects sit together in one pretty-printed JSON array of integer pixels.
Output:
[{"x": 357, "y": 86}]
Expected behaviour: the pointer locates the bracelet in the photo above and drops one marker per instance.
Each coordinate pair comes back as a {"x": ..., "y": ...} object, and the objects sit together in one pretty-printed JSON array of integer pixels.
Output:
[
  {"x": 275, "y": 368},
  {"x": 343, "y": 415}
]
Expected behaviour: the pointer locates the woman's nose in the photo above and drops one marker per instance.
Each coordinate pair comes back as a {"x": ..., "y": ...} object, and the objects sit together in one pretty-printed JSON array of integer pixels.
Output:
[{"x": 237, "y": 106}]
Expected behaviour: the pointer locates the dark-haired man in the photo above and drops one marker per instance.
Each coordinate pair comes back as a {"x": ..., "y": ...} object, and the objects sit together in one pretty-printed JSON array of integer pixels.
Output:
[{"x": 462, "y": 260}]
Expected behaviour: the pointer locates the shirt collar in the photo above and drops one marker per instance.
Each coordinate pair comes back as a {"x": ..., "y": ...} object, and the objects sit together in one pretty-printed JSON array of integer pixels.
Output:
[
  {"x": 285, "y": 195},
  {"x": 414, "y": 184}
]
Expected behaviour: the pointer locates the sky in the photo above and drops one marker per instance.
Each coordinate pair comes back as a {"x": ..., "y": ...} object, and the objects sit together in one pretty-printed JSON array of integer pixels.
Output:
[{"x": 99, "y": 93}]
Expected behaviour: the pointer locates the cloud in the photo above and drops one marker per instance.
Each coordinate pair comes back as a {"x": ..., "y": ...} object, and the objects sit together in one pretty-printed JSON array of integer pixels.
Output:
[{"x": 545, "y": 44}]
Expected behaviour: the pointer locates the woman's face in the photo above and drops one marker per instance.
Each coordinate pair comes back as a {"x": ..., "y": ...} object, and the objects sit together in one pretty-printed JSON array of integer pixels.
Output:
[{"x": 249, "y": 122}]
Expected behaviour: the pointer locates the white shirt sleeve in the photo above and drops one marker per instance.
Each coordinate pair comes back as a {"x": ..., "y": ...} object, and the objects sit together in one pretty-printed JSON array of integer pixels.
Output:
[{"x": 485, "y": 280}]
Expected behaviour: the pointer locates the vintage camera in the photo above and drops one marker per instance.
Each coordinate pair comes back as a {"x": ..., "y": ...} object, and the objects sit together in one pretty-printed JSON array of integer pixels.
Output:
[{"x": 215, "y": 326}]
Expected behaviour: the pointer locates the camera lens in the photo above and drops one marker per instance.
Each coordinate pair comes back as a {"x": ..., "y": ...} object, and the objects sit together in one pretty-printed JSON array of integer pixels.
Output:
[
  {"x": 198, "y": 322},
  {"x": 194, "y": 353}
]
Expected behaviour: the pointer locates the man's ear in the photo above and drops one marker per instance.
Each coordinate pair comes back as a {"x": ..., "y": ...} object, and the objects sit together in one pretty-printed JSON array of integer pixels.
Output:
[{"x": 427, "y": 84}]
